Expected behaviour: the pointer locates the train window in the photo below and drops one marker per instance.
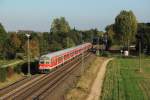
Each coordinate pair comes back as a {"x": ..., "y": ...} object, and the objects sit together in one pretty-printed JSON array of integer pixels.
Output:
[
  {"x": 72, "y": 53},
  {"x": 47, "y": 62},
  {"x": 60, "y": 59},
  {"x": 66, "y": 56},
  {"x": 41, "y": 62},
  {"x": 53, "y": 60}
]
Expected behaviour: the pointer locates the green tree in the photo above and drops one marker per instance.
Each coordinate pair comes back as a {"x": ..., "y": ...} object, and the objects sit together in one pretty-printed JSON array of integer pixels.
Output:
[
  {"x": 3, "y": 37},
  {"x": 60, "y": 25},
  {"x": 15, "y": 42},
  {"x": 55, "y": 46},
  {"x": 144, "y": 33},
  {"x": 111, "y": 34},
  {"x": 44, "y": 42},
  {"x": 68, "y": 42},
  {"x": 34, "y": 48},
  {"x": 126, "y": 27}
]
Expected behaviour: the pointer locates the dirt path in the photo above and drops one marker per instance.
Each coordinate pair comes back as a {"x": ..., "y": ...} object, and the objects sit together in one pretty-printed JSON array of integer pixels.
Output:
[{"x": 97, "y": 84}]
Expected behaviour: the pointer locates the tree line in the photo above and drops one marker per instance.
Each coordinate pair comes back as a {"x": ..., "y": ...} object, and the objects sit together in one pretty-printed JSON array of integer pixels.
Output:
[
  {"x": 123, "y": 32},
  {"x": 126, "y": 31},
  {"x": 61, "y": 36}
]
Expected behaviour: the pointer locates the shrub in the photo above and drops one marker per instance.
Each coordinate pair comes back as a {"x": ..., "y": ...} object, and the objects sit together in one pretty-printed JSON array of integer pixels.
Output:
[
  {"x": 17, "y": 68},
  {"x": 105, "y": 54},
  {"x": 10, "y": 71},
  {"x": 3, "y": 74},
  {"x": 19, "y": 55}
]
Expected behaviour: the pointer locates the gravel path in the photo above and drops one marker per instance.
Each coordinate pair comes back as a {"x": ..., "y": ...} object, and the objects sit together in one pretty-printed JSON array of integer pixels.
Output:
[{"x": 98, "y": 82}]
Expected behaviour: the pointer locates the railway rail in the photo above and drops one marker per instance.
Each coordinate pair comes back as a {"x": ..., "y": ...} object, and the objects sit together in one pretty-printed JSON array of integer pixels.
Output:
[
  {"x": 44, "y": 84},
  {"x": 18, "y": 83}
]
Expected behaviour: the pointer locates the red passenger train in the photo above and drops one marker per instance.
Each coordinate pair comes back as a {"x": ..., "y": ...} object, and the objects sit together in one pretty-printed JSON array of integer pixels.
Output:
[{"x": 52, "y": 60}]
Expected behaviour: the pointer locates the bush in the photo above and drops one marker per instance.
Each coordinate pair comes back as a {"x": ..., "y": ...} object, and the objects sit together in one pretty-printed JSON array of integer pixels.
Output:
[
  {"x": 105, "y": 54},
  {"x": 19, "y": 55},
  {"x": 10, "y": 71},
  {"x": 17, "y": 68},
  {"x": 3, "y": 74}
]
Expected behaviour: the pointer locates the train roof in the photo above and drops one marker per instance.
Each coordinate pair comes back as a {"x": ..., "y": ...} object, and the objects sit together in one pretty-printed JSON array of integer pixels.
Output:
[{"x": 57, "y": 53}]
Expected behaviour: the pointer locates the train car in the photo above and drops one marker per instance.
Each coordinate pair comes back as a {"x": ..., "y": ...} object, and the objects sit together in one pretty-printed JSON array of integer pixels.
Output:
[{"x": 52, "y": 60}]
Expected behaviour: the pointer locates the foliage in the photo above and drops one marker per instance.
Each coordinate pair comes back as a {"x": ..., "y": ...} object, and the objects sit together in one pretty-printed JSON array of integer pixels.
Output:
[
  {"x": 144, "y": 33},
  {"x": 68, "y": 42},
  {"x": 15, "y": 42},
  {"x": 104, "y": 53},
  {"x": 126, "y": 27},
  {"x": 33, "y": 48},
  {"x": 3, "y": 37},
  {"x": 111, "y": 34},
  {"x": 10, "y": 71},
  {"x": 12, "y": 46},
  {"x": 44, "y": 42},
  {"x": 55, "y": 46},
  {"x": 60, "y": 25},
  {"x": 3, "y": 74},
  {"x": 17, "y": 68}
]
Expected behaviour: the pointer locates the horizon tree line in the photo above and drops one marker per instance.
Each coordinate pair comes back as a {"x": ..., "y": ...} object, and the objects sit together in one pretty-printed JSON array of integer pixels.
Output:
[{"x": 61, "y": 36}]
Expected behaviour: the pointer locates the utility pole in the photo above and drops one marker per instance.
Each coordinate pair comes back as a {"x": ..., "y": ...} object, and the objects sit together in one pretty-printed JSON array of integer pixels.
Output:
[
  {"x": 82, "y": 68},
  {"x": 28, "y": 36},
  {"x": 98, "y": 53},
  {"x": 140, "y": 38},
  {"x": 140, "y": 55}
]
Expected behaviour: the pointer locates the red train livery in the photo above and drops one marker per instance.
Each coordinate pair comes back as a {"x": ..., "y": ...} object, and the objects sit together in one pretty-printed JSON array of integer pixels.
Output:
[{"x": 52, "y": 60}]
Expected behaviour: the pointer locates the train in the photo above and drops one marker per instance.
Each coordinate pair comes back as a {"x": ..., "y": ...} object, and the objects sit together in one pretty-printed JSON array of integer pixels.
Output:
[{"x": 53, "y": 60}]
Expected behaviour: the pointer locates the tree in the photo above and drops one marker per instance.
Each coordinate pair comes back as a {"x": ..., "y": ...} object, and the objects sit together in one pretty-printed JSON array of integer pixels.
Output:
[
  {"x": 44, "y": 42},
  {"x": 15, "y": 42},
  {"x": 111, "y": 34},
  {"x": 144, "y": 33},
  {"x": 126, "y": 27},
  {"x": 58, "y": 32},
  {"x": 34, "y": 48},
  {"x": 3, "y": 37},
  {"x": 12, "y": 46},
  {"x": 55, "y": 46},
  {"x": 60, "y": 25},
  {"x": 68, "y": 42}
]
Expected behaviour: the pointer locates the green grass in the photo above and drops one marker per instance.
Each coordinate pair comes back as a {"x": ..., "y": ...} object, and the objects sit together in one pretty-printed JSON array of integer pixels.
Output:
[
  {"x": 5, "y": 63},
  {"x": 123, "y": 80}
]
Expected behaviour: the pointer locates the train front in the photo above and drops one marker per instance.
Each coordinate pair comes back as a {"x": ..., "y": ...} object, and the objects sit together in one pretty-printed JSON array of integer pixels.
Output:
[{"x": 44, "y": 64}]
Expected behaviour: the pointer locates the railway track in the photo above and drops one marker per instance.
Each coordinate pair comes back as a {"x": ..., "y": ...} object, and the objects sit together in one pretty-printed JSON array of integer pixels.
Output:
[
  {"x": 41, "y": 87},
  {"x": 15, "y": 85}
]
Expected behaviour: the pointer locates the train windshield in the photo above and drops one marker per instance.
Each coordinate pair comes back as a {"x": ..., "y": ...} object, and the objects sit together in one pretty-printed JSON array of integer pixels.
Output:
[{"x": 41, "y": 62}]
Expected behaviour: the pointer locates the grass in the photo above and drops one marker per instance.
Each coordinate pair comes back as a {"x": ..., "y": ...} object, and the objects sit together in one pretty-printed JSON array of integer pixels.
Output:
[
  {"x": 6, "y": 63},
  {"x": 83, "y": 86},
  {"x": 123, "y": 80}
]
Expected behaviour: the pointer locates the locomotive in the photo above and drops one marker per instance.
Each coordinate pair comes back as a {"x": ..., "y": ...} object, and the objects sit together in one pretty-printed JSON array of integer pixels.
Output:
[{"x": 52, "y": 60}]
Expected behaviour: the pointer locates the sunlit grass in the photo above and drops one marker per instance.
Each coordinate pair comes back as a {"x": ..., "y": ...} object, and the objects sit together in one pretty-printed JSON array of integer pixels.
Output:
[
  {"x": 124, "y": 81},
  {"x": 7, "y": 62}
]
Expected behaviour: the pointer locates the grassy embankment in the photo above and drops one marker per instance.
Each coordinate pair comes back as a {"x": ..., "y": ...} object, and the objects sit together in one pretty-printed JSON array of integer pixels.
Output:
[
  {"x": 83, "y": 86},
  {"x": 11, "y": 75},
  {"x": 123, "y": 80}
]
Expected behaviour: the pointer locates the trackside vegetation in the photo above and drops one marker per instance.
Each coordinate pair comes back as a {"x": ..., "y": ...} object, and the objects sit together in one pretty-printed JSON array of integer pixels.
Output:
[
  {"x": 123, "y": 81},
  {"x": 83, "y": 85},
  {"x": 7, "y": 70}
]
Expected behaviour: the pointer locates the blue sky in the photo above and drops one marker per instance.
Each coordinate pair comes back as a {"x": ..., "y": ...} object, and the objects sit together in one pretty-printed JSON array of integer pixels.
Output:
[{"x": 37, "y": 15}]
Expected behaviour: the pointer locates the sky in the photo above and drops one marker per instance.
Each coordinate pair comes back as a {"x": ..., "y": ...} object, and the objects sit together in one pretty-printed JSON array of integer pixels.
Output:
[{"x": 38, "y": 15}]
